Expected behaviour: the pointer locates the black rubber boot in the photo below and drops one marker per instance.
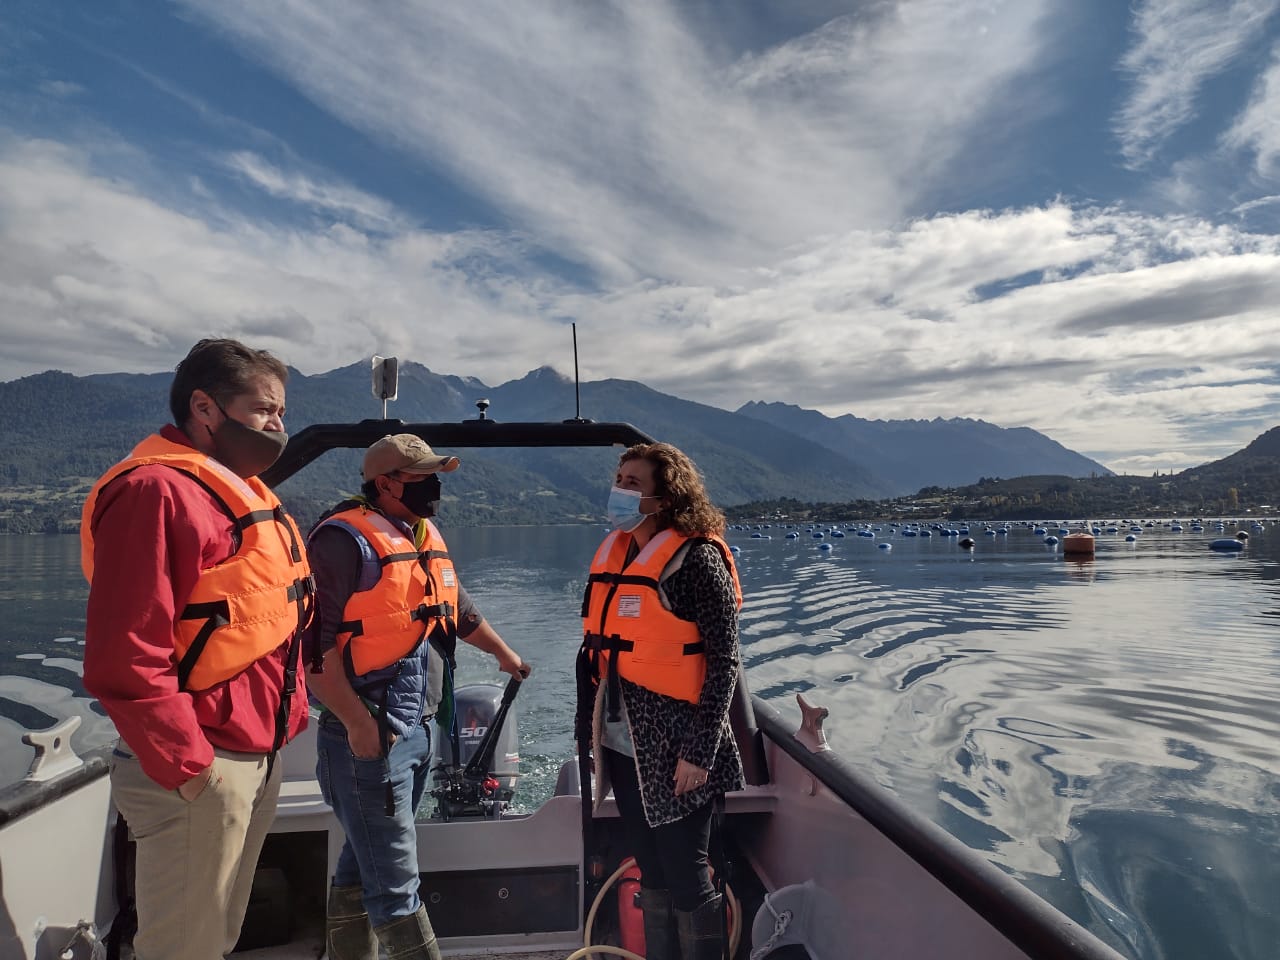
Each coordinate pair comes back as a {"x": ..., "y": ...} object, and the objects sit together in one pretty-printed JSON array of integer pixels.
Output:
[
  {"x": 347, "y": 934},
  {"x": 660, "y": 942},
  {"x": 409, "y": 938},
  {"x": 701, "y": 933}
]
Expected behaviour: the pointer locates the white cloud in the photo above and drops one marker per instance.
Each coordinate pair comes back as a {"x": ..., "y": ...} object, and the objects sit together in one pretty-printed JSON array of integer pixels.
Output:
[
  {"x": 620, "y": 137},
  {"x": 1256, "y": 204},
  {"x": 95, "y": 275},
  {"x": 338, "y": 199},
  {"x": 743, "y": 213},
  {"x": 889, "y": 325},
  {"x": 61, "y": 88},
  {"x": 1257, "y": 129},
  {"x": 1075, "y": 322},
  {"x": 1180, "y": 45}
]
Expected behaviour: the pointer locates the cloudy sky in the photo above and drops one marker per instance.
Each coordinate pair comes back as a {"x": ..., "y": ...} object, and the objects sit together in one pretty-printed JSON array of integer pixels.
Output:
[{"x": 1062, "y": 214}]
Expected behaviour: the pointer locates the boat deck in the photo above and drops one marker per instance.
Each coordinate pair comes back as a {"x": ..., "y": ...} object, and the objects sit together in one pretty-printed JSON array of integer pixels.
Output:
[{"x": 311, "y": 948}]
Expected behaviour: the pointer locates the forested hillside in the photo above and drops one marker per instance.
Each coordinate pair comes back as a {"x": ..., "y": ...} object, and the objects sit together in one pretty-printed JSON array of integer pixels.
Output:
[{"x": 61, "y": 432}]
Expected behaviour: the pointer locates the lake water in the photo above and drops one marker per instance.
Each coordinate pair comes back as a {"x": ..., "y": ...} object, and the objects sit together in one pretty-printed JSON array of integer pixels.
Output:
[{"x": 1108, "y": 731}]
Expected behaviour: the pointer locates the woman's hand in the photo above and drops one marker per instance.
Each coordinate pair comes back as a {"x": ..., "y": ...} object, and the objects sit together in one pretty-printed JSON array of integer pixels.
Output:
[{"x": 688, "y": 777}]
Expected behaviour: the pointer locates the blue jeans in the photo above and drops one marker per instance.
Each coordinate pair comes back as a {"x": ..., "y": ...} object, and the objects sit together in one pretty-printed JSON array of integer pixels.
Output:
[{"x": 380, "y": 853}]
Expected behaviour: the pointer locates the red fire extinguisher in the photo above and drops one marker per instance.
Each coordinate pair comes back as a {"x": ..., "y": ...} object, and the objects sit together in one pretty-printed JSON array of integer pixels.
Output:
[{"x": 630, "y": 917}]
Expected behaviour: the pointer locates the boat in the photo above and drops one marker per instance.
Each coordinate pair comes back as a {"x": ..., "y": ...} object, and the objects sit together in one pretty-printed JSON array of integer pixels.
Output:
[{"x": 818, "y": 857}]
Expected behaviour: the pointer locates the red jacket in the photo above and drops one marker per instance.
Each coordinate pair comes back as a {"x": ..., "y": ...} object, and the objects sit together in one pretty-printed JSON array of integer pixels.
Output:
[{"x": 154, "y": 530}]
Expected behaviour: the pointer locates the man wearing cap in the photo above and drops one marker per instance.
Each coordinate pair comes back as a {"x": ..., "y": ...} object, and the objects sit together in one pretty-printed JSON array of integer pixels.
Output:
[{"x": 389, "y": 612}]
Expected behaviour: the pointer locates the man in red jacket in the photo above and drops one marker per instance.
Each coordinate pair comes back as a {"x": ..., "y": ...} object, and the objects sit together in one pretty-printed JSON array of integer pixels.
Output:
[{"x": 199, "y": 586}]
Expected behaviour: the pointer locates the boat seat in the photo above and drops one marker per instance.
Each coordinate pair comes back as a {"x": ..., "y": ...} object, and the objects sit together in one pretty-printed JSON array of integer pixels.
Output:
[{"x": 301, "y": 805}]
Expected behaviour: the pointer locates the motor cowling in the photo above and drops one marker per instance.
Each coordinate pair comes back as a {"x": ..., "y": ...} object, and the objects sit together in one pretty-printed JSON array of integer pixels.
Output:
[{"x": 460, "y": 788}]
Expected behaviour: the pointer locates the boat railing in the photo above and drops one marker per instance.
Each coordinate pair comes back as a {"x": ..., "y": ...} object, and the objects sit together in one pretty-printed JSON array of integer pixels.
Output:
[
  {"x": 312, "y": 441},
  {"x": 56, "y": 770}
]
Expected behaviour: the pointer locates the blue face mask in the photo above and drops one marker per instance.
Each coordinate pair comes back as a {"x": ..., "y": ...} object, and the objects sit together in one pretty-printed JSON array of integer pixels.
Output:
[{"x": 624, "y": 509}]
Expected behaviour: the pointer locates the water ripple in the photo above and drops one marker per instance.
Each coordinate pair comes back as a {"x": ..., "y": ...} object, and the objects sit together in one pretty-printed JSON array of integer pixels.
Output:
[{"x": 1051, "y": 714}]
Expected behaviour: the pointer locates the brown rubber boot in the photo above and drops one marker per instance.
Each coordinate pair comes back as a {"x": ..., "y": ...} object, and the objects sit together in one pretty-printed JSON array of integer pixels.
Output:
[
  {"x": 701, "y": 931},
  {"x": 660, "y": 942},
  {"x": 409, "y": 938},
  {"x": 347, "y": 934}
]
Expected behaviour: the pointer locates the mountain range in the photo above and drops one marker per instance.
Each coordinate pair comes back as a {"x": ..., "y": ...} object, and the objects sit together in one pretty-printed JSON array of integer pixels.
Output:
[
  {"x": 62, "y": 431},
  {"x": 911, "y": 454}
]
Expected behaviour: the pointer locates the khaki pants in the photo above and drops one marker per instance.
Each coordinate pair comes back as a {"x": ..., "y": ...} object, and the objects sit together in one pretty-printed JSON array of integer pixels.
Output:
[{"x": 195, "y": 861}]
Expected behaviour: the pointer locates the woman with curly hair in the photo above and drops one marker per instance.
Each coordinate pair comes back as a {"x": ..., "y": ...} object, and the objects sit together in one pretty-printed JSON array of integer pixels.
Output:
[{"x": 657, "y": 672}]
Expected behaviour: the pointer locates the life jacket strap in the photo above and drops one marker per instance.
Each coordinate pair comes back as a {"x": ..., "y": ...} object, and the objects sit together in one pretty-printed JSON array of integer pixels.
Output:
[
  {"x": 614, "y": 644},
  {"x": 295, "y": 549},
  {"x": 423, "y": 613},
  {"x": 300, "y": 592},
  {"x": 620, "y": 578},
  {"x": 428, "y": 611},
  {"x": 597, "y": 642},
  {"x": 215, "y": 613},
  {"x": 391, "y": 558},
  {"x": 614, "y": 580},
  {"x": 288, "y": 687},
  {"x": 255, "y": 516},
  {"x": 384, "y": 734},
  {"x": 275, "y": 514},
  {"x": 443, "y": 638}
]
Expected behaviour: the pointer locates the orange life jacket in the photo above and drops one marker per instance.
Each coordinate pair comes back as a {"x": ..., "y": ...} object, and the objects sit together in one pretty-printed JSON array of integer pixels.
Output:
[
  {"x": 626, "y": 623},
  {"x": 245, "y": 607},
  {"x": 417, "y": 591}
]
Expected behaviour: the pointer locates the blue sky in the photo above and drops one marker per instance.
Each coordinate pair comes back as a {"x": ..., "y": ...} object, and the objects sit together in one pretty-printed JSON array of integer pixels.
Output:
[{"x": 1062, "y": 214}]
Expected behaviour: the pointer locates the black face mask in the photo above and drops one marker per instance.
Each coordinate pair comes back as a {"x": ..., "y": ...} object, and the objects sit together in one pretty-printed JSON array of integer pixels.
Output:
[
  {"x": 421, "y": 496},
  {"x": 244, "y": 450}
]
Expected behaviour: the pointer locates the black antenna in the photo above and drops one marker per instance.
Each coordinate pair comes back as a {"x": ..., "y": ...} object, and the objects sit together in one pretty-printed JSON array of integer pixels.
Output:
[
  {"x": 577, "y": 402},
  {"x": 577, "y": 396}
]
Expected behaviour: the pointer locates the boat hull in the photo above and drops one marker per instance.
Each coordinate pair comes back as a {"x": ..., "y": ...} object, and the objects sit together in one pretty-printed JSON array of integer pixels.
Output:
[{"x": 873, "y": 877}]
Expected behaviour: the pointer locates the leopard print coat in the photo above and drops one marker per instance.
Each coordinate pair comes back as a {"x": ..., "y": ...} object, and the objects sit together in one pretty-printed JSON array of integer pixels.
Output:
[{"x": 664, "y": 729}]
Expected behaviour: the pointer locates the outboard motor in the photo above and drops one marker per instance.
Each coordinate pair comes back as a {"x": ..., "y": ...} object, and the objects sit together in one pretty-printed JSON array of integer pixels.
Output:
[{"x": 478, "y": 762}]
